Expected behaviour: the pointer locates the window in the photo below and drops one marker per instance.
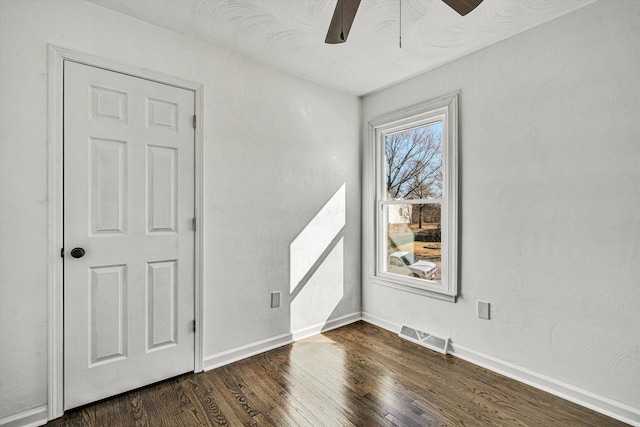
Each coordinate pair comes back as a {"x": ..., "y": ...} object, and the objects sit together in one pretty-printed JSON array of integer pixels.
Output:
[{"x": 415, "y": 215}]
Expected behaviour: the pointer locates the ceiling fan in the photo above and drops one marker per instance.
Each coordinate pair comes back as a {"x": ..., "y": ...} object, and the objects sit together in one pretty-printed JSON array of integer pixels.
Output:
[{"x": 345, "y": 13}]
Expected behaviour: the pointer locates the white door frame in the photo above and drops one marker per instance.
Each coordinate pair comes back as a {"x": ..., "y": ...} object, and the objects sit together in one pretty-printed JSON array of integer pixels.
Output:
[{"x": 55, "y": 281}]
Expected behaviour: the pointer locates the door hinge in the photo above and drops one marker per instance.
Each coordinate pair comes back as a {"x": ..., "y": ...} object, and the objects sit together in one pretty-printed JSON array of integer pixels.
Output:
[
  {"x": 193, "y": 224},
  {"x": 194, "y": 121},
  {"x": 62, "y": 253},
  {"x": 194, "y": 325}
]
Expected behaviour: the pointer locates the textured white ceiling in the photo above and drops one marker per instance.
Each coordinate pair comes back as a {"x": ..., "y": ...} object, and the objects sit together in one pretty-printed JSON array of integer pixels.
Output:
[{"x": 289, "y": 34}]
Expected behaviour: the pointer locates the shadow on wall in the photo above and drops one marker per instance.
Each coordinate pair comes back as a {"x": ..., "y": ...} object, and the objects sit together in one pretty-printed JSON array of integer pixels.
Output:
[{"x": 316, "y": 263}]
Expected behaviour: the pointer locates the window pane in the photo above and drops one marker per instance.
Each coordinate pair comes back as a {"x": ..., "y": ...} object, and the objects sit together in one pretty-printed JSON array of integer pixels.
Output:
[
  {"x": 414, "y": 163},
  {"x": 414, "y": 241}
]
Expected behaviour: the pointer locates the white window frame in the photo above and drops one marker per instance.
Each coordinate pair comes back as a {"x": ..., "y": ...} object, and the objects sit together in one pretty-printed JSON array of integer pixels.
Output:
[{"x": 445, "y": 110}]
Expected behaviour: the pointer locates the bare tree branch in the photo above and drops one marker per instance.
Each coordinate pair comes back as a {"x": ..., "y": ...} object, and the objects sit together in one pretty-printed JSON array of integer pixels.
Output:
[{"x": 414, "y": 163}]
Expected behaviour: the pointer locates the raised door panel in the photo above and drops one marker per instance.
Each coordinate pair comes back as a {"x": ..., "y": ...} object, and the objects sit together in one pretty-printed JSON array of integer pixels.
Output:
[
  {"x": 108, "y": 186},
  {"x": 107, "y": 314},
  {"x": 162, "y": 304},
  {"x": 162, "y": 189},
  {"x": 162, "y": 114},
  {"x": 109, "y": 104}
]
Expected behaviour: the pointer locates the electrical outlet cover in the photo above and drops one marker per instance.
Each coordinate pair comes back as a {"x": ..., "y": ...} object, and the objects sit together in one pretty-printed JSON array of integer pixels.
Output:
[
  {"x": 483, "y": 310},
  {"x": 275, "y": 299}
]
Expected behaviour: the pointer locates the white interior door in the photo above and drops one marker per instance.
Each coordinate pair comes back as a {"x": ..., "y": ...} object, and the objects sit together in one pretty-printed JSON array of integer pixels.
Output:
[{"x": 129, "y": 205}]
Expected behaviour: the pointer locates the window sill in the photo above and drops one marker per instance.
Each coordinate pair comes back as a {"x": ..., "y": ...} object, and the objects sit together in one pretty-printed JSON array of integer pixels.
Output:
[{"x": 412, "y": 289}]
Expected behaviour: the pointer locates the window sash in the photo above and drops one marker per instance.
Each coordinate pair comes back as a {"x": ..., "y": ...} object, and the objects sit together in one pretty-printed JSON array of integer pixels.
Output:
[
  {"x": 437, "y": 201},
  {"x": 441, "y": 110},
  {"x": 429, "y": 118}
]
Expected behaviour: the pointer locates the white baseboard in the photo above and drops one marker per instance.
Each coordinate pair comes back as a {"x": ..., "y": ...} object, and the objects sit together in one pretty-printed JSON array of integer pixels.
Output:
[
  {"x": 326, "y": 326},
  {"x": 582, "y": 397},
  {"x": 574, "y": 394},
  {"x": 242, "y": 352},
  {"x": 378, "y": 321},
  {"x": 238, "y": 353},
  {"x": 31, "y": 418}
]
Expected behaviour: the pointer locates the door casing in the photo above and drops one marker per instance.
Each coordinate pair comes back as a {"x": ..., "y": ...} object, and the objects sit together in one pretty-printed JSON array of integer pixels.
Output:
[{"x": 56, "y": 57}]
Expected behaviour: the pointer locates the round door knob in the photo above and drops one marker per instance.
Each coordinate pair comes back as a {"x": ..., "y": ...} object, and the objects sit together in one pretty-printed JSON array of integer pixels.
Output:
[{"x": 77, "y": 252}]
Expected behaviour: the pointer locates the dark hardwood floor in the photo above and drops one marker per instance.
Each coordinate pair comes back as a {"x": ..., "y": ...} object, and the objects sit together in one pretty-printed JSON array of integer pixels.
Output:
[{"x": 358, "y": 375}]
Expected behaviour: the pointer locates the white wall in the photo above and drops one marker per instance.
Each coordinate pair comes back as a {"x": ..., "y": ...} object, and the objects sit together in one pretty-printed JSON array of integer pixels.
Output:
[
  {"x": 550, "y": 202},
  {"x": 276, "y": 150}
]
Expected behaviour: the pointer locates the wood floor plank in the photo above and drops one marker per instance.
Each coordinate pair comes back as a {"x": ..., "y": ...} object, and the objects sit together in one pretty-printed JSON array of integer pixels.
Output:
[
  {"x": 110, "y": 413},
  {"x": 241, "y": 409},
  {"x": 269, "y": 378},
  {"x": 352, "y": 408},
  {"x": 360, "y": 383},
  {"x": 191, "y": 402},
  {"x": 276, "y": 405},
  {"x": 163, "y": 395},
  {"x": 206, "y": 401},
  {"x": 227, "y": 412},
  {"x": 358, "y": 375},
  {"x": 317, "y": 394}
]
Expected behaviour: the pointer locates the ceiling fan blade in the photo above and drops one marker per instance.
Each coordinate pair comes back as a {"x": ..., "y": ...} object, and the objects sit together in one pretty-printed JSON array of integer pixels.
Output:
[
  {"x": 343, "y": 17},
  {"x": 462, "y": 6}
]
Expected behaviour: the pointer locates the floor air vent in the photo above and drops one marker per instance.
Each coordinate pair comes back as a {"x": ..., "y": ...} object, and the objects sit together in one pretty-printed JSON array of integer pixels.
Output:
[{"x": 441, "y": 345}]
